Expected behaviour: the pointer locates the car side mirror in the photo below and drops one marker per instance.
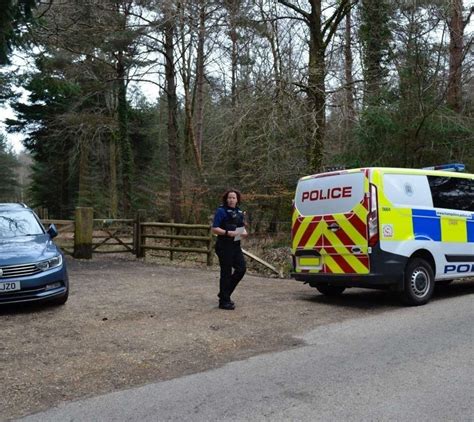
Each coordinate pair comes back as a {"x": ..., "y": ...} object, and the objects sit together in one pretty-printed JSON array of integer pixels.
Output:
[{"x": 52, "y": 231}]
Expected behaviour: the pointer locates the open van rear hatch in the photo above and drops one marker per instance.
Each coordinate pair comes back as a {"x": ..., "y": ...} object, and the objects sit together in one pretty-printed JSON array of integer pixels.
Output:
[{"x": 329, "y": 227}]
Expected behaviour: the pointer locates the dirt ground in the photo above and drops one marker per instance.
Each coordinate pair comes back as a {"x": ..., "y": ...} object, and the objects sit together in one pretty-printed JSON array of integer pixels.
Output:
[{"x": 129, "y": 322}]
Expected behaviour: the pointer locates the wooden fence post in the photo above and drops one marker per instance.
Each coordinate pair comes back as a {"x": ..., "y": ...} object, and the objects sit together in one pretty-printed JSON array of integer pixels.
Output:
[
  {"x": 172, "y": 232},
  {"x": 83, "y": 227},
  {"x": 137, "y": 234}
]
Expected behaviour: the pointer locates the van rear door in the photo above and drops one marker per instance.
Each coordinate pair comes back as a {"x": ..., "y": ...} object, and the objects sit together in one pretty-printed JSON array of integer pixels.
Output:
[{"x": 329, "y": 230}]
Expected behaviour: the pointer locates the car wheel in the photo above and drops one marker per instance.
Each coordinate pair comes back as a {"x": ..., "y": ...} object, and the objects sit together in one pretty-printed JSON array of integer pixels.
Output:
[
  {"x": 330, "y": 290},
  {"x": 418, "y": 283}
]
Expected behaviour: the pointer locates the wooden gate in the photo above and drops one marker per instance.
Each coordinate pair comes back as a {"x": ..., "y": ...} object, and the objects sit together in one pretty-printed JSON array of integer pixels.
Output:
[{"x": 113, "y": 236}]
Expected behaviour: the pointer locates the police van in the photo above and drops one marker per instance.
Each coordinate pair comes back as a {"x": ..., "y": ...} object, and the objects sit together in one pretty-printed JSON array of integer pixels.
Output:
[{"x": 384, "y": 228}]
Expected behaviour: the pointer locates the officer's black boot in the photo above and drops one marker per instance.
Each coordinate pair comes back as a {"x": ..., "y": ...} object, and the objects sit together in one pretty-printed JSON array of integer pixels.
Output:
[
  {"x": 230, "y": 300},
  {"x": 224, "y": 252},
  {"x": 229, "y": 306}
]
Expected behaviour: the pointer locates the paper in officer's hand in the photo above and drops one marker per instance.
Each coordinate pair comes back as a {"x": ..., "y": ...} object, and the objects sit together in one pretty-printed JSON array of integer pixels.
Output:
[{"x": 239, "y": 231}]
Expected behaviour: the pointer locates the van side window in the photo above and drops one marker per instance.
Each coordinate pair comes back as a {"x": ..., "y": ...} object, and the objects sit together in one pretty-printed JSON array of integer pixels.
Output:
[
  {"x": 408, "y": 190},
  {"x": 452, "y": 192}
]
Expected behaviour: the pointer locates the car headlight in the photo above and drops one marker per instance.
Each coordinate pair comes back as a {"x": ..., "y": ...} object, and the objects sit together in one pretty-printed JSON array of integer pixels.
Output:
[{"x": 50, "y": 263}]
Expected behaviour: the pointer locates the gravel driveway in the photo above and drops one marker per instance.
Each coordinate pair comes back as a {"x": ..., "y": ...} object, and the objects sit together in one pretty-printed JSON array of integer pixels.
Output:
[{"x": 130, "y": 322}]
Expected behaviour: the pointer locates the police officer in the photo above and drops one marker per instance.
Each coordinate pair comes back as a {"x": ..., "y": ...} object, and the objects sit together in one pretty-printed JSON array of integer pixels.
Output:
[{"x": 227, "y": 219}]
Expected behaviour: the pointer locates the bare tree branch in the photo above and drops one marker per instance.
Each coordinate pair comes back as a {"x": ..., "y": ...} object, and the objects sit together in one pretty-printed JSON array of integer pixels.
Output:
[{"x": 306, "y": 15}]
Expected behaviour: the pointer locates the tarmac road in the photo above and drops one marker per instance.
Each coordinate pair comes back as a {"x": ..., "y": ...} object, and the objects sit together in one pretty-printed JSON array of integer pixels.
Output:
[{"x": 412, "y": 364}]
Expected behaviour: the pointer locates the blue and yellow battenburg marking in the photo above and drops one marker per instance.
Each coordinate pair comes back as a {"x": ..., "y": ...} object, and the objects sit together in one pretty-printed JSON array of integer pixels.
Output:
[
  {"x": 431, "y": 225},
  {"x": 470, "y": 229}
]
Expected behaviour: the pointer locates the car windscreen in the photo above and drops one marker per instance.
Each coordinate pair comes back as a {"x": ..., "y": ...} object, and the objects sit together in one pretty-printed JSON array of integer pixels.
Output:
[{"x": 14, "y": 223}]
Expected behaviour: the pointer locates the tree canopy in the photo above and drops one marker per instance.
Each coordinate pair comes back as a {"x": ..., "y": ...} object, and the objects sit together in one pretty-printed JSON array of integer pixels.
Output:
[{"x": 249, "y": 94}]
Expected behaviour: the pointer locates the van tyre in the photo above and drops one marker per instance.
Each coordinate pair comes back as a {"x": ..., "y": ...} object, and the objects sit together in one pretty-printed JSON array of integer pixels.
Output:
[
  {"x": 419, "y": 282},
  {"x": 330, "y": 290}
]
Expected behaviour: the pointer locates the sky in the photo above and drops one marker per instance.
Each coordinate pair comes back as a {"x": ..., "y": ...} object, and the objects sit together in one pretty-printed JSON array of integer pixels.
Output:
[
  {"x": 13, "y": 138},
  {"x": 18, "y": 62}
]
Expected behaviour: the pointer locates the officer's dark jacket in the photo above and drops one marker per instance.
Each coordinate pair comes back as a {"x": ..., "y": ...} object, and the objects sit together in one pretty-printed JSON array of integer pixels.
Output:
[{"x": 228, "y": 218}]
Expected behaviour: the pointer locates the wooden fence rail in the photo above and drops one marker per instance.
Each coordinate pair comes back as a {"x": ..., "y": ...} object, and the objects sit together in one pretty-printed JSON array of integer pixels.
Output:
[
  {"x": 76, "y": 237},
  {"x": 85, "y": 236},
  {"x": 174, "y": 236}
]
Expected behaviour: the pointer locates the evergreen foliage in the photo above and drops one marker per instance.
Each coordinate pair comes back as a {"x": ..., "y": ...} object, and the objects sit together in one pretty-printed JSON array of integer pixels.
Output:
[
  {"x": 14, "y": 13},
  {"x": 8, "y": 165},
  {"x": 375, "y": 37}
]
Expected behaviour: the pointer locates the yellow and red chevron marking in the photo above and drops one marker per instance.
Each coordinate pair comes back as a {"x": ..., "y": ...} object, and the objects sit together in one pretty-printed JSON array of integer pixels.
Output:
[
  {"x": 312, "y": 233},
  {"x": 339, "y": 259},
  {"x": 306, "y": 231}
]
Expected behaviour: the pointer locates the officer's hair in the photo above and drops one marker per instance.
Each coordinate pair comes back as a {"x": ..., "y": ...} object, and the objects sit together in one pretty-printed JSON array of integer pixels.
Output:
[{"x": 226, "y": 194}]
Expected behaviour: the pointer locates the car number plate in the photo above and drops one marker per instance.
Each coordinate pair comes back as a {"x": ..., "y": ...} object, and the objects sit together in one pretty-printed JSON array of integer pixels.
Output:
[{"x": 9, "y": 286}]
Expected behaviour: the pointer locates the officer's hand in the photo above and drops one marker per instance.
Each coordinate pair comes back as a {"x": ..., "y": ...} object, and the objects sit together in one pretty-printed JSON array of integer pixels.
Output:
[
  {"x": 244, "y": 234},
  {"x": 231, "y": 233}
]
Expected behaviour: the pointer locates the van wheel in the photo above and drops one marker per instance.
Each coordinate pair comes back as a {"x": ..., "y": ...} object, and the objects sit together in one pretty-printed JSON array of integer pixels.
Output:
[
  {"x": 330, "y": 290},
  {"x": 419, "y": 282}
]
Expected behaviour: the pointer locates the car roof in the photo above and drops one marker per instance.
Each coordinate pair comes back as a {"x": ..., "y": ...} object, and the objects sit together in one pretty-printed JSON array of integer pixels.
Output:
[
  {"x": 425, "y": 172},
  {"x": 13, "y": 206}
]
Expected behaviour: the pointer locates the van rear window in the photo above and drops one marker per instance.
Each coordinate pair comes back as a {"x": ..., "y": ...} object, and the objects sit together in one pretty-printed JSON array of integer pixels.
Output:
[
  {"x": 333, "y": 194},
  {"x": 452, "y": 192}
]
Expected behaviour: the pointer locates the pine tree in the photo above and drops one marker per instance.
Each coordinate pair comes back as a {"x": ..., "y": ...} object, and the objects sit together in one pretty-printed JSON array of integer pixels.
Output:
[
  {"x": 13, "y": 14},
  {"x": 8, "y": 177}
]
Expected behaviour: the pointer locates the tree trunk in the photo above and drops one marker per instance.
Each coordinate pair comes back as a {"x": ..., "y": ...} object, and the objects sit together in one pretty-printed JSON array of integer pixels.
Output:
[
  {"x": 321, "y": 34},
  {"x": 190, "y": 133},
  {"x": 83, "y": 197},
  {"x": 125, "y": 148},
  {"x": 272, "y": 34},
  {"x": 316, "y": 89},
  {"x": 200, "y": 76},
  {"x": 234, "y": 150},
  {"x": 191, "y": 136},
  {"x": 173, "y": 146},
  {"x": 456, "y": 32},
  {"x": 232, "y": 10},
  {"x": 349, "y": 103},
  {"x": 113, "y": 176}
]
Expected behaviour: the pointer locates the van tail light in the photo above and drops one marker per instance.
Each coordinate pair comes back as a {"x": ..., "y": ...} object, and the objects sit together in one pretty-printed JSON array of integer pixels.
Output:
[{"x": 373, "y": 217}]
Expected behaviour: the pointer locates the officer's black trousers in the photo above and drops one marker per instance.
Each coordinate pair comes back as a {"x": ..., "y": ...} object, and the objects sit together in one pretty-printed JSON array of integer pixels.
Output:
[{"x": 230, "y": 257}]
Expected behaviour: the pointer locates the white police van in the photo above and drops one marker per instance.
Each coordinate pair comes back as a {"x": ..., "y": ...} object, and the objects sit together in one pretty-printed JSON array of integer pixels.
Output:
[{"x": 387, "y": 228}]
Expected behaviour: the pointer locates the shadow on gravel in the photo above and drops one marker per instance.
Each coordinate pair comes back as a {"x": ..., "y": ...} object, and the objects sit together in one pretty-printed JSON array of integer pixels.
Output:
[
  {"x": 27, "y": 308},
  {"x": 457, "y": 288},
  {"x": 359, "y": 299},
  {"x": 379, "y": 299}
]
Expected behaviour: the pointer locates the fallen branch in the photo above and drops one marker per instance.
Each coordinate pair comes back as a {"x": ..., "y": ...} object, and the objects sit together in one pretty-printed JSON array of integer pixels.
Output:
[{"x": 261, "y": 261}]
